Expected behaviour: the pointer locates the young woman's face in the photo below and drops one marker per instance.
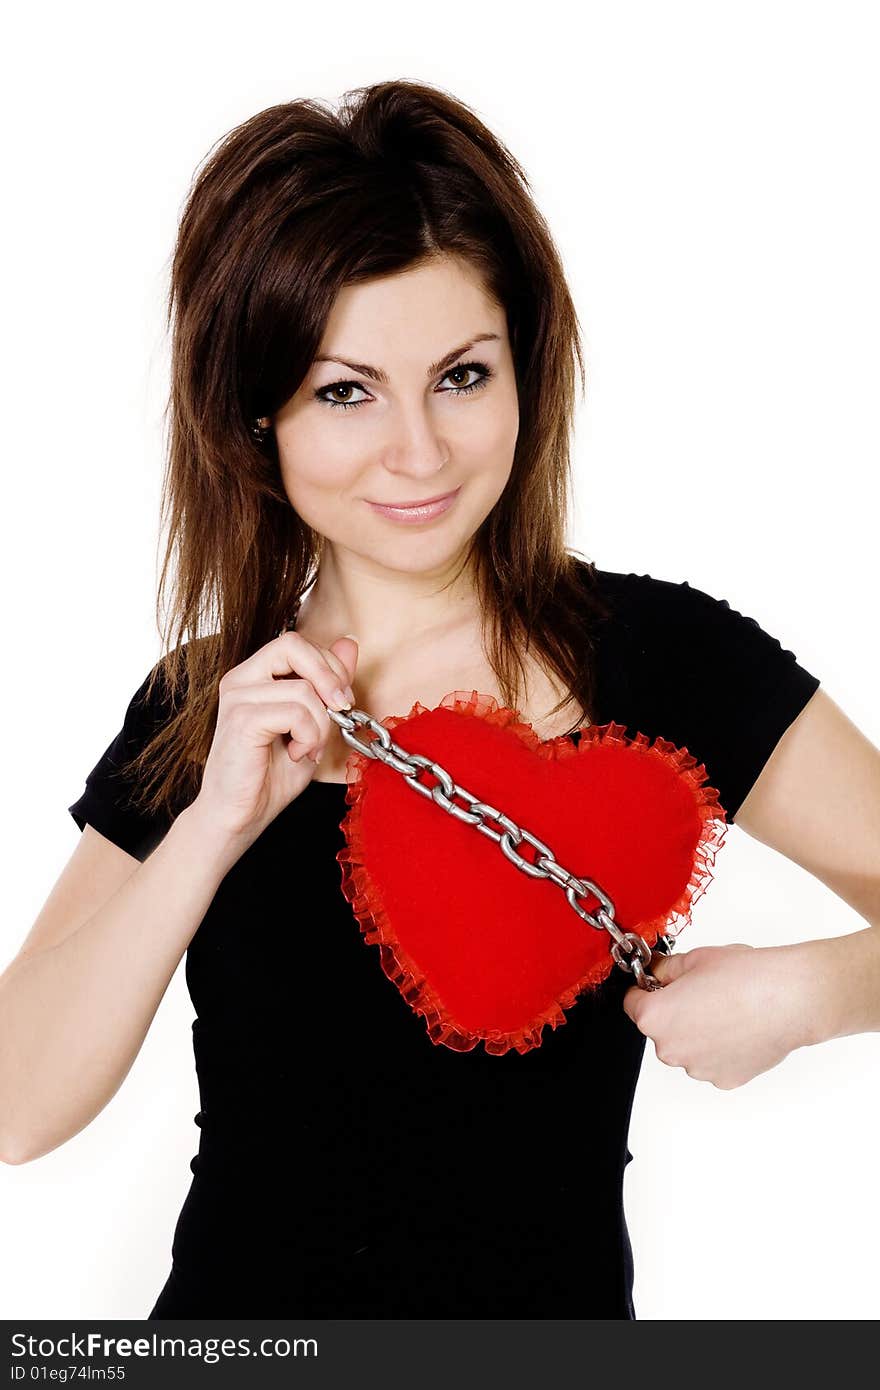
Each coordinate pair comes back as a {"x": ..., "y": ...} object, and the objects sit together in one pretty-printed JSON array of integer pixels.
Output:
[{"x": 383, "y": 425}]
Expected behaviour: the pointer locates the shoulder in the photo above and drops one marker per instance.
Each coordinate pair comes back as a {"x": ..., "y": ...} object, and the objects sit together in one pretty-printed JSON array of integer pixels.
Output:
[
  {"x": 160, "y": 694},
  {"x": 108, "y": 800},
  {"x": 642, "y": 600},
  {"x": 660, "y": 616},
  {"x": 683, "y": 663},
  {"x": 640, "y": 615},
  {"x": 632, "y": 596}
]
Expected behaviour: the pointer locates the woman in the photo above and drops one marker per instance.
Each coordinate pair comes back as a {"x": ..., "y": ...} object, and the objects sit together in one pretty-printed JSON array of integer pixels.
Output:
[{"x": 370, "y": 314}]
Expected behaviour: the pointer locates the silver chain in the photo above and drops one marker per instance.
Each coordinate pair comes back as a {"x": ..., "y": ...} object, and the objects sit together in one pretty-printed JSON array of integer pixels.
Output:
[{"x": 630, "y": 951}]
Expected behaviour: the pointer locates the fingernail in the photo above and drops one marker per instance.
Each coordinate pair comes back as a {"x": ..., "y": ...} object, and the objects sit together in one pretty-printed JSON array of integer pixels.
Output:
[
  {"x": 352, "y": 636},
  {"x": 319, "y": 755},
  {"x": 349, "y": 694},
  {"x": 341, "y": 699}
]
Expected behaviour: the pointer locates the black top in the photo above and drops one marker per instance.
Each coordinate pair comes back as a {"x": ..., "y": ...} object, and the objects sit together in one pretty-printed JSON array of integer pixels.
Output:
[{"x": 347, "y": 1165}]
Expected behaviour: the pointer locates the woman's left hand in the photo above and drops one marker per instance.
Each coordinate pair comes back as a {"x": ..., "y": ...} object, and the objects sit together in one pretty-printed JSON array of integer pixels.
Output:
[{"x": 725, "y": 1013}]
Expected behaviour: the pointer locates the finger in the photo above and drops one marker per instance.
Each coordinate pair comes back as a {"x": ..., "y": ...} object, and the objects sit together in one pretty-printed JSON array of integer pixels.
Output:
[
  {"x": 289, "y": 654},
  {"x": 302, "y": 743},
  {"x": 262, "y": 712},
  {"x": 296, "y": 690},
  {"x": 259, "y": 721},
  {"x": 632, "y": 1003},
  {"x": 304, "y": 737}
]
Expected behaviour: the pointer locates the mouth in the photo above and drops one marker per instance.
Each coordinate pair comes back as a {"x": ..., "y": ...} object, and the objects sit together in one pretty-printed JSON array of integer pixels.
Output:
[{"x": 415, "y": 512}]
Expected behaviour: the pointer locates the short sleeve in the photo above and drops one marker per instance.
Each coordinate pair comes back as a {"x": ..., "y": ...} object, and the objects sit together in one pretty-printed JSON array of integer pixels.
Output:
[
  {"x": 105, "y": 802},
  {"x": 716, "y": 681}
]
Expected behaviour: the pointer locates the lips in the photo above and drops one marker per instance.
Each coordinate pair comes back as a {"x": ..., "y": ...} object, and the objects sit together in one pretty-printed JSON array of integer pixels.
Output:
[
  {"x": 422, "y": 502},
  {"x": 424, "y": 510}
]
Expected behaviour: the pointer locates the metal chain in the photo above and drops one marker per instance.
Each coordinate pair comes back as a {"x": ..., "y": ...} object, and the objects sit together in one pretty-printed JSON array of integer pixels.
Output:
[{"x": 630, "y": 951}]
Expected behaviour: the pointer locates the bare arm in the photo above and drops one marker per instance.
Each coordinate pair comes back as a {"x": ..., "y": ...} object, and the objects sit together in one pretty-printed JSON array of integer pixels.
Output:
[{"x": 74, "y": 1015}]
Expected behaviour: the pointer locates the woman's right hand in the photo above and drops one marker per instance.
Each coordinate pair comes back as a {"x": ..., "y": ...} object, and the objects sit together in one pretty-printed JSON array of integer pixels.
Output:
[{"x": 270, "y": 730}]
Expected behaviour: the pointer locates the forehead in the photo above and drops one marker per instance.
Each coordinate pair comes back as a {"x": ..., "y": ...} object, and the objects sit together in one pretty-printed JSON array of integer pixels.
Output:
[{"x": 412, "y": 315}]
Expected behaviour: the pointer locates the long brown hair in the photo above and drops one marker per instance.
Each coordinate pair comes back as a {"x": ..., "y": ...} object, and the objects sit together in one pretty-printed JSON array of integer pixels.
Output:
[{"x": 289, "y": 207}]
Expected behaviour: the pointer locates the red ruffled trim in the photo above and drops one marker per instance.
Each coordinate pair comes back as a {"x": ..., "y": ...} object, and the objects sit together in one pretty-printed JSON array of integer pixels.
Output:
[{"x": 361, "y": 893}]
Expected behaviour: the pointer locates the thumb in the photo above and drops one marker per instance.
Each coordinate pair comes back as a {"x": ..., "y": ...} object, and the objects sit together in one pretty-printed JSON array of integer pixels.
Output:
[
  {"x": 345, "y": 650},
  {"x": 667, "y": 968}
]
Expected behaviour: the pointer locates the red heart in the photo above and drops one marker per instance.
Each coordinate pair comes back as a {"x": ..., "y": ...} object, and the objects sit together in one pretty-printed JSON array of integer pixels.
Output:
[{"x": 482, "y": 950}]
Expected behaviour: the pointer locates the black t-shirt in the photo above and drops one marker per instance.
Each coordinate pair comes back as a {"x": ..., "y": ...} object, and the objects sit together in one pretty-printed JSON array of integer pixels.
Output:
[{"x": 347, "y": 1165}]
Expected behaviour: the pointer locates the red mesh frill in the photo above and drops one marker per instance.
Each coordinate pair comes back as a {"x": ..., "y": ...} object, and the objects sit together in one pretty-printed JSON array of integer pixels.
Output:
[{"x": 654, "y": 835}]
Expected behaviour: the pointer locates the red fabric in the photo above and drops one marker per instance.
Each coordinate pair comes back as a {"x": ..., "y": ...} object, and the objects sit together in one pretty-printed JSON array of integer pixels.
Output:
[{"x": 480, "y": 949}]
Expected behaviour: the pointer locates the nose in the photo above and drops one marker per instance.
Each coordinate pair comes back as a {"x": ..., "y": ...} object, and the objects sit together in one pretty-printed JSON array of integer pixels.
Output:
[{"x": 415, "y": 448}]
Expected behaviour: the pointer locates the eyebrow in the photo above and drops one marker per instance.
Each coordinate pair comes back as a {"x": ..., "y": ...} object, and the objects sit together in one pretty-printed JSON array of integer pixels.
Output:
[{"x": 377, "y": 373}]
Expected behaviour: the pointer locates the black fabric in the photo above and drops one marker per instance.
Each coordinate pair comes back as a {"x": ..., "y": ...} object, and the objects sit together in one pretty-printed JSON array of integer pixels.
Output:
[
  {"x": 347, "y": 1166},
  {"x": 105, "y": 802}
]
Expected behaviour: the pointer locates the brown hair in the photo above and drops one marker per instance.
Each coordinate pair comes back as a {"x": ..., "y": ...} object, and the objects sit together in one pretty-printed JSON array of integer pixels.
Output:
[{"x": 288, "y": 208}]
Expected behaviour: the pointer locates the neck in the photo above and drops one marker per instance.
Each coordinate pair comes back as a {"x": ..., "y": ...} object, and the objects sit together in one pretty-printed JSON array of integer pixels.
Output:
[{"x": 385, "y": 608}]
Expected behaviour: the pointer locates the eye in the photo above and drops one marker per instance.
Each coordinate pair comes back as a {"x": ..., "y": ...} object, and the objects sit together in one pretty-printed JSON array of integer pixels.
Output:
[
  {"x": 339, "y": 386},
  {"x": 482, "y": 371}
]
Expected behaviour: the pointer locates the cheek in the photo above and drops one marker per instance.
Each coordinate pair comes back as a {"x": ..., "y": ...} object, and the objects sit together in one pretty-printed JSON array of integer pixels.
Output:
[
  {"x": 488, "y": 435},
  {"x": 319, "y": 462}
]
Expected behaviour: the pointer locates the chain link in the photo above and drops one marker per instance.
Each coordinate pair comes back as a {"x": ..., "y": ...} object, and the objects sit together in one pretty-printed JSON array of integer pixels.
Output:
[{"x": 629, "y": 950}]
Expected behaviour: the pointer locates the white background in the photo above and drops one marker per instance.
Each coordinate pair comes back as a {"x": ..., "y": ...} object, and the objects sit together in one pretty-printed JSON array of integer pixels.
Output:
[{"x": 710, "y": 174}]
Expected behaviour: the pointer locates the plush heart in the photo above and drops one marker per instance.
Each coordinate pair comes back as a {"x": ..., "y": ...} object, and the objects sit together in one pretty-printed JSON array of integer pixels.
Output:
[{"x": 482, "y": 950}]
